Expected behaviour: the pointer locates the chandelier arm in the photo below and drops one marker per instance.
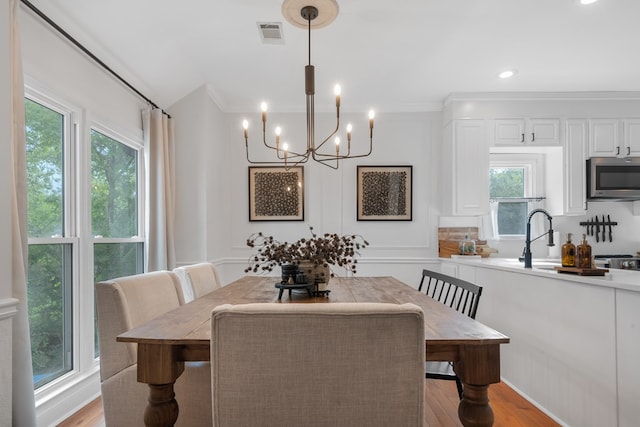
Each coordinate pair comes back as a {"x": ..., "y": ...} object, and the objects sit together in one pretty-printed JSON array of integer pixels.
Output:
[
  {"x": 324, "y": 162},
  {"x": 336, "y": 129},
  {"x": 304, "y": 159},
  {"x": 343, "y": 156}
]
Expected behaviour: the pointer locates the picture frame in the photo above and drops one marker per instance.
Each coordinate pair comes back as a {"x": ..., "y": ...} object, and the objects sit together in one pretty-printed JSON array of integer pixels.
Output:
[
  {"x": 384, "y": 193},
  {"x": 276, "y": 193}
]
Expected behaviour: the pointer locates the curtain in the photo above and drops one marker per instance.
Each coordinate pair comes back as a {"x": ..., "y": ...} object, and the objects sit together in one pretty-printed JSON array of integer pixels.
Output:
[
  {"x": 22, "y": 388},
  {"x": 160, "y": 189}
]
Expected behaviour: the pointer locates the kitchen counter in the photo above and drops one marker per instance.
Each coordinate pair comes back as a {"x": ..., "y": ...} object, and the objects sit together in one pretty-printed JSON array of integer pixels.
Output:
[
  {"x": 615, "y": 278},
  {"x": 575, "y": 340}
]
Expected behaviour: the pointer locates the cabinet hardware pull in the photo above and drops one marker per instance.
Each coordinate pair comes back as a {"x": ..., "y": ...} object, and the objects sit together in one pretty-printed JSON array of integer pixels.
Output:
[
  {"x": 618, "y": 150},
  {"x": 533, "y": 136},
  {"x": 522, "y": 138},
  {"x": 628, "y": 151}
]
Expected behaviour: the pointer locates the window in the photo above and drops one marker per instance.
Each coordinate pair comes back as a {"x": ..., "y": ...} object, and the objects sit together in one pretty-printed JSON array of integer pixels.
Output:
[
  {"x": 84, "y": 220},
  {"x": 117, "y": 250},
  {"x": 50, "y": 260},
  {"x": 513, "y": 182}
]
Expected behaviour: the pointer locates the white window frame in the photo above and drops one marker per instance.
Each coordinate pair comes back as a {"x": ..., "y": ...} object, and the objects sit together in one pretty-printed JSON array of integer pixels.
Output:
[
  {"x": 71, "y": 116},
  {"x": 533, "y": 166},
  {"x": 83, "y": 380}
]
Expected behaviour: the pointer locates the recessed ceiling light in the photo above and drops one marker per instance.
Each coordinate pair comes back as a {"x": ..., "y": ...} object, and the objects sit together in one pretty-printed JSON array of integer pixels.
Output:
[
  {"x": 507, "y": 74},
  {"x": 587, "y": 1}
]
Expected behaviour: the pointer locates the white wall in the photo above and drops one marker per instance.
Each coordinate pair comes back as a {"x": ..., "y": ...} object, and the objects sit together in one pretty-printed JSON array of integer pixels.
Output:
[
  {"x": 201, "y": 187},
  {"x": 397, "y": 248},
  {"x": 51, "y": 63}
]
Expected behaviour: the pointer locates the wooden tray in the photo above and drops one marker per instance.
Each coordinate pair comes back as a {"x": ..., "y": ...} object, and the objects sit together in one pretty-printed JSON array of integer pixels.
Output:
[{"x": 582, "y": 271}]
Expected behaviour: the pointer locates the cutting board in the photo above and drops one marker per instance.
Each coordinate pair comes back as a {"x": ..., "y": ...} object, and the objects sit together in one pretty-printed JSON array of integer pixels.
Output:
[{"x": 582, "y": 271}]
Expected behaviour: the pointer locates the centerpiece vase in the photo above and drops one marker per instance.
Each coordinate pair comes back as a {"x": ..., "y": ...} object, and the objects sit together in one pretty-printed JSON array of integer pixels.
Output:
[{"x": 316, "y": 273}]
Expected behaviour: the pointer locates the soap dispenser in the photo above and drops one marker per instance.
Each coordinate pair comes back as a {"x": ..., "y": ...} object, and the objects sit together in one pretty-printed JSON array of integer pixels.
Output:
[
  {"x": 584, "y": 253},
  {"x": 569, "y": 253}
]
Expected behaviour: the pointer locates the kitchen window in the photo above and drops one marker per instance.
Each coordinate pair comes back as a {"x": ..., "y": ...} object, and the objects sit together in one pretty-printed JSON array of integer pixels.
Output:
[{"x": 514, "y": 182}]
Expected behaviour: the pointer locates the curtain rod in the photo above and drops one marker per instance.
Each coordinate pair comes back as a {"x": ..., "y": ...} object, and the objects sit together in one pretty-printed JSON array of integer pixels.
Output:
[{"x": 88, "y": 52}]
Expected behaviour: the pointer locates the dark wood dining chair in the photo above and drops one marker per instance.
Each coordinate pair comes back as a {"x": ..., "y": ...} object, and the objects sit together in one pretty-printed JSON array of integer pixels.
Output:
[{"x": 458, "y": 294}]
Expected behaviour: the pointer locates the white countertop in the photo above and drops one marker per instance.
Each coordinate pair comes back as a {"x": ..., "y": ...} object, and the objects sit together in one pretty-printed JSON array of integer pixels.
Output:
[{"x": 615, "y": 278}]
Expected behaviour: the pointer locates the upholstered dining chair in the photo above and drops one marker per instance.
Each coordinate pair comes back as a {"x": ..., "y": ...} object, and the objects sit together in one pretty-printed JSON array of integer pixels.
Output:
[
  {"x": 198, "y": 279},
  {"x": 123, "y": 304},
  {"x": 338, "y": 364},
  {"x": 458, "y": 294}
]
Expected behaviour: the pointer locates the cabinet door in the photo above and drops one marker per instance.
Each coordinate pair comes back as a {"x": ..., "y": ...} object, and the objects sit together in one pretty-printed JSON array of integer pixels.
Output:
[
  {"x": 543, "y": 132},
  {"x": 631, "y": 138},
  {"x": 509, "y": 132},
  {"x": 575, "y": 156},
  {"x": 470, "y": 168},
  {"x": 518, "y": 132},
  {"x": 604, "y": 139}
]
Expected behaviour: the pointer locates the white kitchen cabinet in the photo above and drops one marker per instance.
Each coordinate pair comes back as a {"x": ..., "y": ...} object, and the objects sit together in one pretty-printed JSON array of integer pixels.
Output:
[
  {"x": 522, "y": 132},
  {"x": 631, "y": 138},
  {"x": 465, "y": 172},
  {"x": 614, "y": 137},
  {"x": 575, "y": 156}
]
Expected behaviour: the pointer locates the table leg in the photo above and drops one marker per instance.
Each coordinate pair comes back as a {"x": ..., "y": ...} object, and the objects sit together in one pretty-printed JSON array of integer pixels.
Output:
[
  {"x": 478, "y": 367},
  {"x": 159, "y": 368},
  {"x": 162, "y": 410},
  {"x": 474, "y": 409}
]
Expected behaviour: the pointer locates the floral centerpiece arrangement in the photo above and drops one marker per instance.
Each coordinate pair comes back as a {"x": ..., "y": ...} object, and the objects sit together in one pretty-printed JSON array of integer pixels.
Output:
[{"x": 326, "y": 250}]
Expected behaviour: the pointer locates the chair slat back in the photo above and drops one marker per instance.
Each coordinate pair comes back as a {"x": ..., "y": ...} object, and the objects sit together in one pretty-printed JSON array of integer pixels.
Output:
[{"x": 456, "y": 293}]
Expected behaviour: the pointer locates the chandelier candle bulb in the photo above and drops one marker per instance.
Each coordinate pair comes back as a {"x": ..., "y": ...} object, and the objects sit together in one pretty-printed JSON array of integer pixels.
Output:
[
  {"x": 263, "y": 107},
  {"x": 337, "y": 141},
  {"x": 245, "y": 126},
  {"x": 336, "y": 90},
  {"x": 371, "y": 116}
]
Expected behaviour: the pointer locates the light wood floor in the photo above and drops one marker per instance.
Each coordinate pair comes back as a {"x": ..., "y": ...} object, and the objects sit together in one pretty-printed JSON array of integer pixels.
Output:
[{"x": 441, "y": 409}]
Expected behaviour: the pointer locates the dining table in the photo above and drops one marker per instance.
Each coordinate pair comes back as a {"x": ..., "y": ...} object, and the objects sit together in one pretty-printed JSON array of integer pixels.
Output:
[{"x": 166, "y": 342}]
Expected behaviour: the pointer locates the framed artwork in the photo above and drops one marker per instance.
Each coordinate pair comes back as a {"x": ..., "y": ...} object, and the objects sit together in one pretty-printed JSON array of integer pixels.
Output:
[
  {"x": 276, "y": 193},
  {"x": 384, "y": 193}
]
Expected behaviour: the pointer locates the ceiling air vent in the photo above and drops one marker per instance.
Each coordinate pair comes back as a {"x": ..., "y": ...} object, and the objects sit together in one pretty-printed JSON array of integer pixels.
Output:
[{"x": 271, "y": 32}]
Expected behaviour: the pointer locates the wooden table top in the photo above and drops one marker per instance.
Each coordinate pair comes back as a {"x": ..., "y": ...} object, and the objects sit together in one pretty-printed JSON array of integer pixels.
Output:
[{"x": 190, "y": 323}]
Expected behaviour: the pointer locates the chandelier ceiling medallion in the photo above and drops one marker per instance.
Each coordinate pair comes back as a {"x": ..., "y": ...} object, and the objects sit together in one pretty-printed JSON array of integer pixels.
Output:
[{"x": 309, "y": 14}]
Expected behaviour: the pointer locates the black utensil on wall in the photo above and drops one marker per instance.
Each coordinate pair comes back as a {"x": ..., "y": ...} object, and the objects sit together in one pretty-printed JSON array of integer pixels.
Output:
[
  {"x": 597, "y": 229},
  {"x": 609, "y": 221}
]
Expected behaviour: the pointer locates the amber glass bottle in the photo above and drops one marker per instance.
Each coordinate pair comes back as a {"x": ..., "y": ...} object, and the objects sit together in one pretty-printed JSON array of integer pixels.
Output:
[
  {"x": 568, "y": 253},
  {"x": 584, "y": 253}
]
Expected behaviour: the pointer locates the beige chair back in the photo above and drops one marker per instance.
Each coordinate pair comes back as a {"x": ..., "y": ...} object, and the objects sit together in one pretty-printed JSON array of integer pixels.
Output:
[
  {"x": 339, "y": 364},
  {"x": 198, "y": 279},
  {"x": 125, "y": 303}
]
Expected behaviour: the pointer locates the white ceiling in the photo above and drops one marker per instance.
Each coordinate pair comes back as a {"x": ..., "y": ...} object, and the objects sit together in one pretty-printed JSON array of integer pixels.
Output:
[{"x": 405, "y": 55}]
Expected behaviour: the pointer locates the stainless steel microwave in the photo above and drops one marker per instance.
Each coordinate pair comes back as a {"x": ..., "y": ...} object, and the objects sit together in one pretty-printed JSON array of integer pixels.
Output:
[{"x": 613, "y": 178}]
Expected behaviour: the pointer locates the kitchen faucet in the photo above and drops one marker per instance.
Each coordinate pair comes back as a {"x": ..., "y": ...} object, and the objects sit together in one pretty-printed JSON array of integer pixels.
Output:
[{"x": 528, "y": 240}]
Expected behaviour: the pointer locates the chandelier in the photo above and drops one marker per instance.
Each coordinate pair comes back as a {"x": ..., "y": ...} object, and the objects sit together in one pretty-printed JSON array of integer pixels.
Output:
[{"x": 322, "y": 152}]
